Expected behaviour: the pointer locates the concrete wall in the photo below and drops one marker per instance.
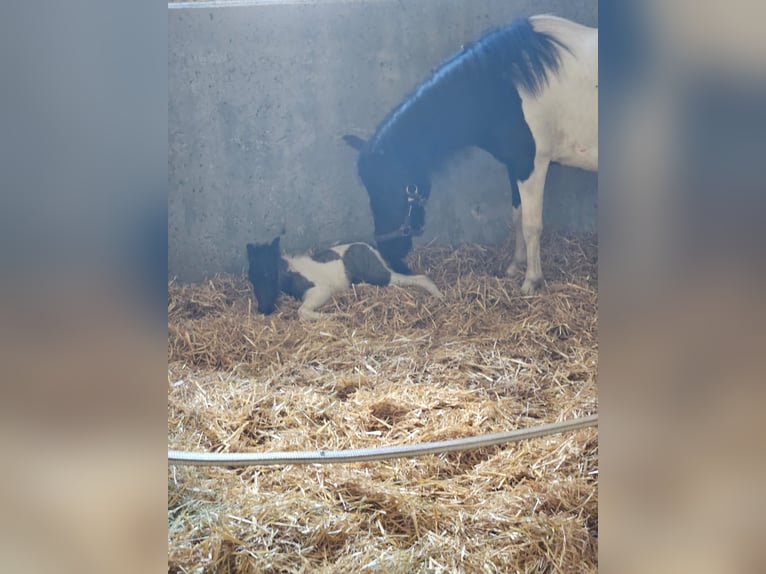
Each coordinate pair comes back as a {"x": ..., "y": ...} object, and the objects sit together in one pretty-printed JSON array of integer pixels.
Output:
[{"x": 260, "y": 94}]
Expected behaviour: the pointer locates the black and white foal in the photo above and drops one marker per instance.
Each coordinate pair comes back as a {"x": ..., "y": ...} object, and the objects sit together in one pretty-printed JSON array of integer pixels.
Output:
[{"x": 314, "y": 279}]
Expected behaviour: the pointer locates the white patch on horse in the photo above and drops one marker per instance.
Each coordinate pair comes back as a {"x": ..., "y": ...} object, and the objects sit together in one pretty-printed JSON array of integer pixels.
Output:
[
  {"x": 567, "y": 111},
  {"x": 564, "y": 121},
  {"x": 331, "y": 277}
]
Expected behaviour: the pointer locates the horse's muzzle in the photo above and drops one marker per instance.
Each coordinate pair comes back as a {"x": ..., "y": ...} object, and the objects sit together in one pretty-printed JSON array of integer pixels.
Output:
[{"x": 266, "y": 309}]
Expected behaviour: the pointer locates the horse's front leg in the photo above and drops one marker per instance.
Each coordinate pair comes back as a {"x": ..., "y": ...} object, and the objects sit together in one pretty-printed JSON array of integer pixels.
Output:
[
  {"x": 312, "y": 300},
  {"x": 531, "y": 191},
  {"x": 520, "y": 247}
]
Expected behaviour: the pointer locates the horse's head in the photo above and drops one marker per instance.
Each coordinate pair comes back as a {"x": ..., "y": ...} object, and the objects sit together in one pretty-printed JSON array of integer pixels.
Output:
[
  {"x": 263, "y": 272},
  {"x": 397, "y": 197}
]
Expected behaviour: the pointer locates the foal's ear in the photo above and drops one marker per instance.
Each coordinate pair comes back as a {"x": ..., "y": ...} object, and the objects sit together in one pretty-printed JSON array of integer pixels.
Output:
[
  {"x": 250, "y": 250},
  {"x": 355, "y": 142},
  {"x": 275, "y": 243}
]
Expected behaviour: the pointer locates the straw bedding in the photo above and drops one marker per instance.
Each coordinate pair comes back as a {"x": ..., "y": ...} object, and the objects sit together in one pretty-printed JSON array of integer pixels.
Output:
[{"x": 400, "y": 367}]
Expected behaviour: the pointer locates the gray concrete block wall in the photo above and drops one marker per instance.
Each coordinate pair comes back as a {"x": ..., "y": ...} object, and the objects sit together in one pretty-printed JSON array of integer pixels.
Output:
[{"x": 260, "y": 94}]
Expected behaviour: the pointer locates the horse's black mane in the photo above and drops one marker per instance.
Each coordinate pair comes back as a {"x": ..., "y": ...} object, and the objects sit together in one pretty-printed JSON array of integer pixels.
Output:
[{"x": 515, "y": 55}]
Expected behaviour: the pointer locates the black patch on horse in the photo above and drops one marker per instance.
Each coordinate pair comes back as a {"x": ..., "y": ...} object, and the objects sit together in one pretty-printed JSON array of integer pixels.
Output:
[
  {"x": 292, "y": 283},
  {"x": 515, "y": 193},
  {"x": 325, "y": 256},
  {"x": 363, "y": 266}
]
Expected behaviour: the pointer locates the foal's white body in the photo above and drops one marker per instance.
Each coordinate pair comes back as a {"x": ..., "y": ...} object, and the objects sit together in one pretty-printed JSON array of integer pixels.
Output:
[
  {"x": 563, "y": 118},
  {"x": 330, "y": 278}
]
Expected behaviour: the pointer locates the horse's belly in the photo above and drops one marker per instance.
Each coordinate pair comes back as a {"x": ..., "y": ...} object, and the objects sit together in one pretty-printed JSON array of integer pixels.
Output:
[
  {"x": 582, "y": 153},
  {"x": 330, "y": 275},
  {"x": 565, "y": 129}
]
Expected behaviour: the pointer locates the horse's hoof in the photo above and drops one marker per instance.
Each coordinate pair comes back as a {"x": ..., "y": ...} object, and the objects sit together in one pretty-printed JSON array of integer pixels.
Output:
[
  {"x": 311, "y": 315},
  {"x": 530, "y": 287}
]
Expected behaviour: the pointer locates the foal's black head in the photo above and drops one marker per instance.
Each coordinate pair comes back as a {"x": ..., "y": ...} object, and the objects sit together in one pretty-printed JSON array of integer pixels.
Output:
[
  {"x": 263, "y": 272},
  {"x": 397, "y": 198}
]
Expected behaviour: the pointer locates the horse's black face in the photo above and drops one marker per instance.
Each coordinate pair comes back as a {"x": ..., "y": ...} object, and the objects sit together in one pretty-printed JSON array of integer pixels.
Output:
[
  {"x": 397, "y": 199},
  {"x": 263, "y": 272}
]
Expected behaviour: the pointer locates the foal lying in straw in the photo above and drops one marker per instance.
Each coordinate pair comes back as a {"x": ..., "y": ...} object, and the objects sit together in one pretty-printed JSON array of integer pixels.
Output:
[{"x": 314, "y": 279}]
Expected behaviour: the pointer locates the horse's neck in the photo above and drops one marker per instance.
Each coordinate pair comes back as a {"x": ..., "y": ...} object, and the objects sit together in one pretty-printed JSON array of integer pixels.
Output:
[{"x": 427, "y": 133}]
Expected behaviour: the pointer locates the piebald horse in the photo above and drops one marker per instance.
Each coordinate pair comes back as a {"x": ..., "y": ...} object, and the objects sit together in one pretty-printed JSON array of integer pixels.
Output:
[
  {"x": 313, "y": 279},
  {"x": 527, "y": 93}
]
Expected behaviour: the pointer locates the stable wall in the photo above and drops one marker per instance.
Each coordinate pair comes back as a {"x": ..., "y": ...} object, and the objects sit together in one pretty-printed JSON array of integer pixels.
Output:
[{"x": 261, "y": 92}]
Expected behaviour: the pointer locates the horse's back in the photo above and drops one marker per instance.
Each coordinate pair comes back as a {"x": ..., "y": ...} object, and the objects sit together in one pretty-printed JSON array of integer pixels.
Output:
[
  {"x": 364, "y": 264},
  {"x": 582, "y": 41},
  {"x": 327, "y": 272},
  {"x": 336, "y": 267},
  {"x": 561, "y": 27},
  {"x": 564, "y": 116}
]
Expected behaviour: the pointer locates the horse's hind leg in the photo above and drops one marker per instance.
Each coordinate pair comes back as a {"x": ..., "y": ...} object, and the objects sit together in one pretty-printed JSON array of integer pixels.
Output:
[
  {"x": 531, "y": 191},
  {"x": 418, "y": 281}
]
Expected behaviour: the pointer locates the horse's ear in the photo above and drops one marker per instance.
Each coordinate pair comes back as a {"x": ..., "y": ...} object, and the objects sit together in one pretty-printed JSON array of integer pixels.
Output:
[
  {"x": 250, "y": 250},
  {"x": 355, "y": 142},
  {"x": 275, "y": 243}
]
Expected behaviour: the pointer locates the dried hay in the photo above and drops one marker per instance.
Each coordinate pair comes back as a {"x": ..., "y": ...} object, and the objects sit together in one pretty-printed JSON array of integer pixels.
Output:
[{"x": 401, "y": 368}]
